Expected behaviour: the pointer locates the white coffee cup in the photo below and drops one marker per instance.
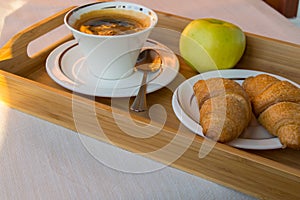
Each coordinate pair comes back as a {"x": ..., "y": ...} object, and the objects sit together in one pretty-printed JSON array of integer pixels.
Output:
[{"x": 111, "y": 56}]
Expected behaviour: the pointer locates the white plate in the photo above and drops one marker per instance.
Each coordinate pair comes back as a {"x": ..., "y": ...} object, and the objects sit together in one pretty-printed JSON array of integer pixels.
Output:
[
  {"x": 186, "y": 109},
  {"x": 66, "y": 66}
]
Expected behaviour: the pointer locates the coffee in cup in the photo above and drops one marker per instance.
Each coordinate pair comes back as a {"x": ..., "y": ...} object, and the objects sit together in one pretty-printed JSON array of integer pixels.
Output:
[
  {"x": 111, "y": 35},
  {"x": 110, "y": 22}
]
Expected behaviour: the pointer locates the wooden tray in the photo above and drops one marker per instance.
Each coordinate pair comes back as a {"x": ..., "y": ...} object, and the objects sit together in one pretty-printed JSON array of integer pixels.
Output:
[{"x": 271, "y": 174}]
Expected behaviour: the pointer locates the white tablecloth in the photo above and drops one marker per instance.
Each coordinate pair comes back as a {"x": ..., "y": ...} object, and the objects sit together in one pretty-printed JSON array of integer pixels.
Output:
[{"x": 40, "y": 160}]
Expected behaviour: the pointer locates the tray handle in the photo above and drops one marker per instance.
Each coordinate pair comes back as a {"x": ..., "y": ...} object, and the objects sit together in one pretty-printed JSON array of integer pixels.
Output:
[{"x": 14, "y": 55}]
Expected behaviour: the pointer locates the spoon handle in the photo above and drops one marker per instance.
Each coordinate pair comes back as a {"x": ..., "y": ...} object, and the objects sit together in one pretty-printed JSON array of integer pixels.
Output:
[{"x": 140, "y": 104}]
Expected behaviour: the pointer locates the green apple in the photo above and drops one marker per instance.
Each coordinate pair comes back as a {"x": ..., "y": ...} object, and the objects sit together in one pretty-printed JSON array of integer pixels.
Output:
[{"x": 210, "y": 44}]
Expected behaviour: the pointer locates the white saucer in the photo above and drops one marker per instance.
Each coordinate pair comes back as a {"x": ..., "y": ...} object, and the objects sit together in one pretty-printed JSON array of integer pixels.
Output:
[
  {"x": 186, "y": 109},
  {"x": 66, "y": 66}
]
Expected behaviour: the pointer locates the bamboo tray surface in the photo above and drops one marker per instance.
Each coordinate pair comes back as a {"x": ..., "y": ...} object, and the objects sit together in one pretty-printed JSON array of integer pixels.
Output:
[{"x": 272, "y": 174}]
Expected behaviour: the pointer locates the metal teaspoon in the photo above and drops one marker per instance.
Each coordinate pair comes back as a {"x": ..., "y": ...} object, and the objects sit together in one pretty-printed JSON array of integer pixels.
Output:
[{"x": 149, "y": 61}]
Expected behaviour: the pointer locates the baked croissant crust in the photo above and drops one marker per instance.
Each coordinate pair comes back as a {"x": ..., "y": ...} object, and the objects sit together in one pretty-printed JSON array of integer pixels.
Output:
[
  {"x": 276, "y": 103},
  {"x": 225, "y": 108},
  {"x": 283, "y": 120}
]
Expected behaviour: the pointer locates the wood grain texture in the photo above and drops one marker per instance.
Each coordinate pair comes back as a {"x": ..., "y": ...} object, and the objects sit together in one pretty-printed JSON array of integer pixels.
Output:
[
  {"x": 288, "y": 8},
  {"x": 25, "y": 85}
]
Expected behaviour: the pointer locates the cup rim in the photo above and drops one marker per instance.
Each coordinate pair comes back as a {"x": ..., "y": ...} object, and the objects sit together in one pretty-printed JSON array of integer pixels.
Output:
[{"x": 110, "y": 4}]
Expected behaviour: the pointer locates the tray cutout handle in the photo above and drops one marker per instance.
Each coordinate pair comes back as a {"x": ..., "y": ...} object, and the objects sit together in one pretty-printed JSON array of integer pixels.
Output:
[{"x": 14, "y": 54}]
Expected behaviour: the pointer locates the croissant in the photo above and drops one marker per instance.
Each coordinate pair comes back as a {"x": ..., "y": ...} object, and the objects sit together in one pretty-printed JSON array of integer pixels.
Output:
[
  {"x": 276, "y": 103},
  {"x": 225, "y": 108}
]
